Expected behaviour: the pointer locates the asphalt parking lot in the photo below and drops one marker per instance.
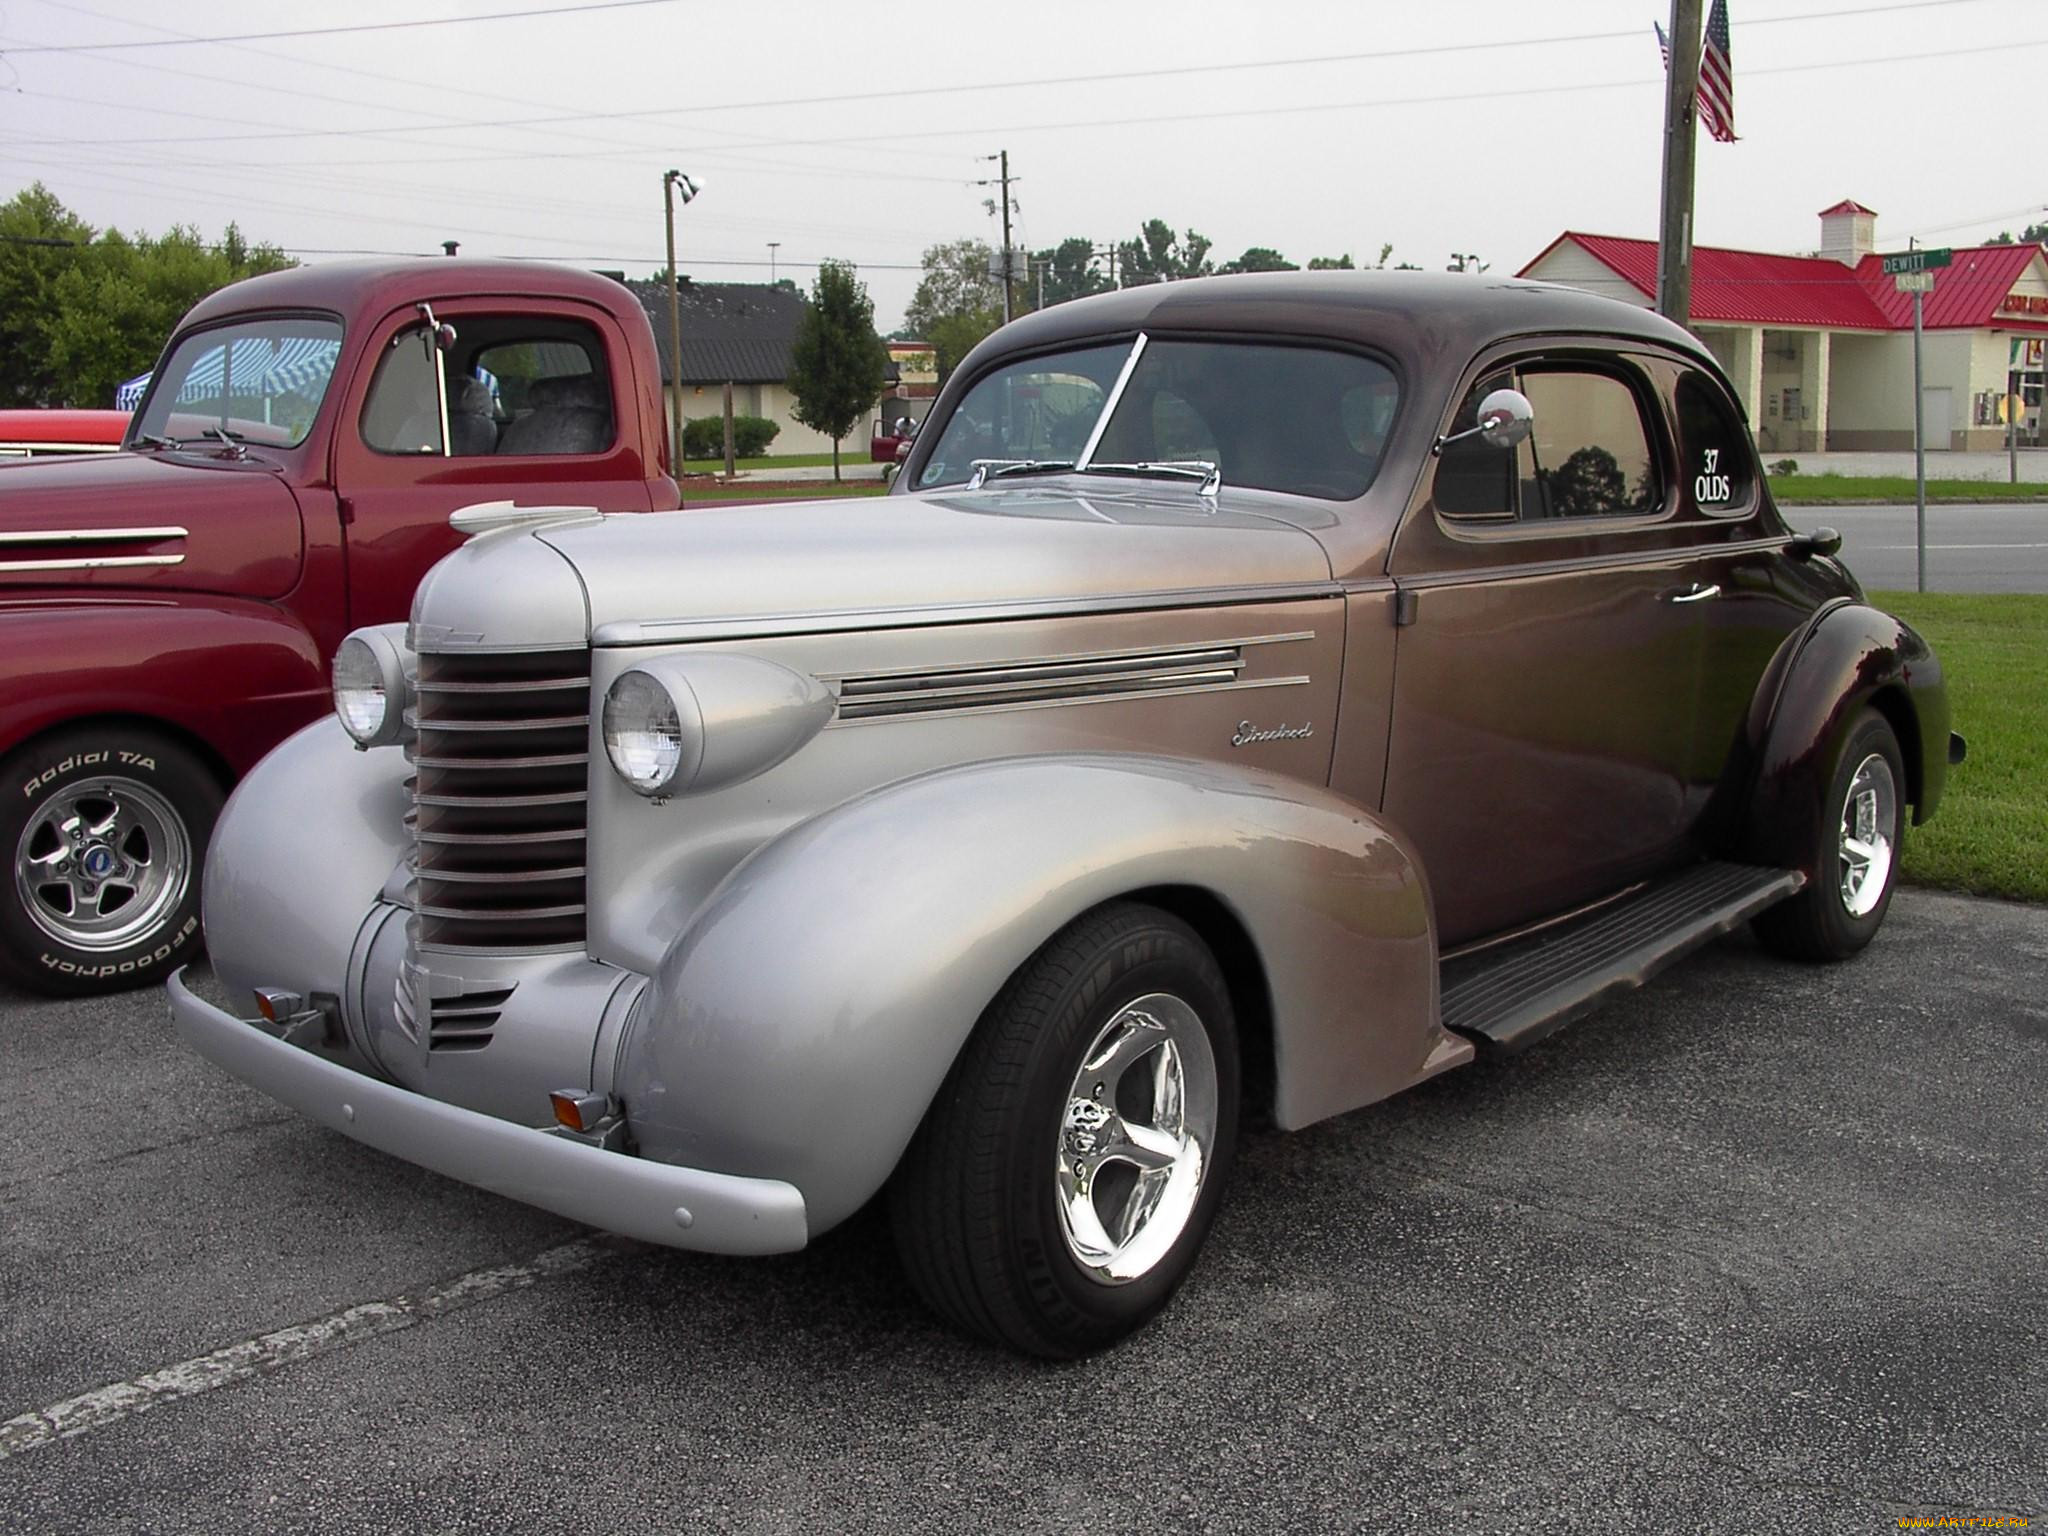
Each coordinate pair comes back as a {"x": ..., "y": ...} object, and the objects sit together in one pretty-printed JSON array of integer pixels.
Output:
[{"x": 1758, "y": 1249}]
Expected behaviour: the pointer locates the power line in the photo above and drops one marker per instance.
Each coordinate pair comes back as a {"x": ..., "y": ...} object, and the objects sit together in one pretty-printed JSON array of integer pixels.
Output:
[{"x": 366, "y": 26}]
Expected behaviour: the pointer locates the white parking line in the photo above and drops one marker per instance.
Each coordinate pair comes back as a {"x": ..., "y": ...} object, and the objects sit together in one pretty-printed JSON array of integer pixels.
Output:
[{"x": 268, "y": 1352}]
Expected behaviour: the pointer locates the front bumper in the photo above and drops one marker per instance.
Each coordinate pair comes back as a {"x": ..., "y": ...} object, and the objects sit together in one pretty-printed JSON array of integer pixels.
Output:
[{"x": 655, "y": 1202}]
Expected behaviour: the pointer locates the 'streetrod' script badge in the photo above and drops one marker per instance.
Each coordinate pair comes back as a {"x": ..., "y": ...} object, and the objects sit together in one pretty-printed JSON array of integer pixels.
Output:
[{"x": 1249, "y": 734}]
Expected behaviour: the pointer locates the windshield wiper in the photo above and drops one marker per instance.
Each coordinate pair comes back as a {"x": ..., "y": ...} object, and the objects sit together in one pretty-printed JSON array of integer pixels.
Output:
[
  {"x": 151, "y": 440},
  {"x": 231, "y": 442},
  {"x": 1204, "y": 470},
  {"x": 992, "y": 469}
]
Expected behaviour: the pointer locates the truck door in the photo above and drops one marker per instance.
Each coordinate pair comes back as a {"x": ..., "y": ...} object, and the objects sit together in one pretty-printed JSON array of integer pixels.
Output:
[{"x": 537, "y": 412}]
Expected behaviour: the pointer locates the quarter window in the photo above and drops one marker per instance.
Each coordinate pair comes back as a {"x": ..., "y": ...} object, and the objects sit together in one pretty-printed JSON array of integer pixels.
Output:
[
  {"x": 1589, "y": 455},
  {"x": 1718, "y": 468}
]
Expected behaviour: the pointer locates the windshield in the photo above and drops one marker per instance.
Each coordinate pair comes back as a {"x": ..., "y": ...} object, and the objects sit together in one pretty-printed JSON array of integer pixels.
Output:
[
  {"x": 259, "y": 382},
  {"x": 1304, "y": 420}
]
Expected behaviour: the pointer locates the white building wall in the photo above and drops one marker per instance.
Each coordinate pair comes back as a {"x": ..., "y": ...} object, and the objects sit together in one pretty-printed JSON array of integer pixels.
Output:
[
  {"x": 1870, "y": 389},
  {"x": 1573, "y": 265},
  {"x": 776, "y": 403}
]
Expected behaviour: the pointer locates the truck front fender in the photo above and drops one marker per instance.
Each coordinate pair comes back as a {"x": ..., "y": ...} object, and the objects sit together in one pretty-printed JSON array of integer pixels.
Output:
[
  {"x": 806, "y": 1017},
  {"x": 235, "y": 674},
  {"x": 1850, "y": 656}
]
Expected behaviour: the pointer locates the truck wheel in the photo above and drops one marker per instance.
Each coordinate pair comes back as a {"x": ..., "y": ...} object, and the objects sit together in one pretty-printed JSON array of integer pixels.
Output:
[
  {"x": 1070, "y": 1167},
  {"x": 106, "y": 827},
  {"x": 1862, "y": 831}
]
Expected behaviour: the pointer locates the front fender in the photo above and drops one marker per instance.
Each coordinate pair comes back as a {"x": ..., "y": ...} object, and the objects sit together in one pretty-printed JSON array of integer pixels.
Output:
[
  {"x": 236, "y": 674},
  {"x": 1850, "y": 656},
  {"x": 808, "y": 1015}
]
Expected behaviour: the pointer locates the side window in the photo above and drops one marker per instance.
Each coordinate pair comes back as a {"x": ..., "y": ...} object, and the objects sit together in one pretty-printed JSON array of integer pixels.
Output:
[
  {"x": 1589, "y": 455},
  {"x": 1714, "y": 448},
  {"x": 401, "y": 414},
  {"x": 538, "y": 394}
]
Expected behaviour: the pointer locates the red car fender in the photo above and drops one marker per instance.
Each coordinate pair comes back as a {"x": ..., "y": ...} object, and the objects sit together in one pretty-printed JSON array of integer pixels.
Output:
[{"x": 236, "y": 676}]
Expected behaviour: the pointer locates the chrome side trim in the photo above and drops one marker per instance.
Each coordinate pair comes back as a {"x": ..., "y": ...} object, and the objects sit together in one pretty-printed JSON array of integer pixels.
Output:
[
  {"x": 1116, "y": 395},
  {"x": 768, "y": 625},
  {"x": 1084, "y": 656},
  {"x": 1059, "y": 703},
  {"x": 94, "y": 563},
  {"x": 88, "y": 535}
]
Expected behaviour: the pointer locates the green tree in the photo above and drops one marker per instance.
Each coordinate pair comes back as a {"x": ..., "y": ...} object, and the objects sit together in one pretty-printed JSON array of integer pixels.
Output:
[
  {"x": 838, "y": 362},
  {"x": 1331, "y": 263},
  {"x": 40, "y": 240},
  {"x": 1158, "y": 256},
  {"x": 1071, "y": 271},
  {"x": 954, "y": 336},
  {"x": 955, "y": 282},
  {"x": 1259, "y": 258}
]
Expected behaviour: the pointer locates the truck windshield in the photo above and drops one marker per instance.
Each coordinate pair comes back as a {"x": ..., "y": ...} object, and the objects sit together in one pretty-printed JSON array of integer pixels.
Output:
[
  {"x": 259, "y": 381},
  {"x": 1310, "y": 421}
]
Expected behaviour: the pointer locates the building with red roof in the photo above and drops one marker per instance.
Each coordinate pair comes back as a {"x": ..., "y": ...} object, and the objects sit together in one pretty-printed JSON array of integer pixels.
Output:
[{"x": 1820, "y": 346}]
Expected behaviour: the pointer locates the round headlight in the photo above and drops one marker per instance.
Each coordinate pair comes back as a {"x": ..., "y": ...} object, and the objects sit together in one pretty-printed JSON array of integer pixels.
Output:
[
  {"x": 370, "y": 688},
  {"x": 643, "y": 735}
]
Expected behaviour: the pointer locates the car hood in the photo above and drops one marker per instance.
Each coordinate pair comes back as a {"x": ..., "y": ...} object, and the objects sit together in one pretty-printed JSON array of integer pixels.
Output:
[
  {"x": 861, "y": 563},
  {"x": 162, "y": 522}
]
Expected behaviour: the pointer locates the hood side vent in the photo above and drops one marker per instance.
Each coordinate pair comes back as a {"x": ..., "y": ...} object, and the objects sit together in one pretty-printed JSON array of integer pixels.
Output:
[{"x": 1044, "y": 680}]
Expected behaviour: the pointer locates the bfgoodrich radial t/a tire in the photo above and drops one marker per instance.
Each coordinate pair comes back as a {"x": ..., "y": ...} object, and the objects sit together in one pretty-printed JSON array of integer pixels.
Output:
[
  {"x": 104, "y": 829},
  {"x": 1856, "y": 864},
  {"x": 1072, "y": 1164}
]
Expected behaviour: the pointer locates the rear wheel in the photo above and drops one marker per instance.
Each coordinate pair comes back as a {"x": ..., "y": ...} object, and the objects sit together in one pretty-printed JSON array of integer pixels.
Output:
[
  {"x": 1072, "y": 1164},
  {"x": 106, "y": 828},
  {"x": 1856, "y": 865}
]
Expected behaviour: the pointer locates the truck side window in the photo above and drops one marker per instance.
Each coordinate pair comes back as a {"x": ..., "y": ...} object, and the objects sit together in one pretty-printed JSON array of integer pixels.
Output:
[
  {"x": 551, "y": 393},
  {"x": 401, "y": 414},
  {"x": 1716, "y": 464}
]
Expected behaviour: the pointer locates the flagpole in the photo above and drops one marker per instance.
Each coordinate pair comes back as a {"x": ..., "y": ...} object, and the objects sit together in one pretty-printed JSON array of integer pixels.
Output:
[{"x": 1674, "y": 235}]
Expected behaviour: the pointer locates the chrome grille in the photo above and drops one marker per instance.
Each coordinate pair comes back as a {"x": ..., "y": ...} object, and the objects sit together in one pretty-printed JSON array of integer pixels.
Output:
[{"x": 501, "y": 769}]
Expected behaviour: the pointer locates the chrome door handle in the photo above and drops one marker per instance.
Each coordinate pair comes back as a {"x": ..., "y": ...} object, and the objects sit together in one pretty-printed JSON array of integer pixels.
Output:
[{"x": 1695, "y": 594}]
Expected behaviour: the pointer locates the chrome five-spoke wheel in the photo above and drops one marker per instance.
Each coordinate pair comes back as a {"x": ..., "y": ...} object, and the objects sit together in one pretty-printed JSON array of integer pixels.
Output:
[
  {"x": 101, "y": 863},
  {"x": 1135, "y": 1138},
  {"x": 1869, "y": 815}
]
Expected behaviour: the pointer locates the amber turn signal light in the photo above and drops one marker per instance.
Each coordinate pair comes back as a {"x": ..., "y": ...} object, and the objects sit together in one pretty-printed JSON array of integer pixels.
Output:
[
  {"x": 275, "y": 1004},
  {"x": 579, "y": 1112}
]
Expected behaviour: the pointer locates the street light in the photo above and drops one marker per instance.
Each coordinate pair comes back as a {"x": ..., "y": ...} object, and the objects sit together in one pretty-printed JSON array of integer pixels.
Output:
[
  {"x": 772, "y": 244},
  {"x": 672, "y": 183}
]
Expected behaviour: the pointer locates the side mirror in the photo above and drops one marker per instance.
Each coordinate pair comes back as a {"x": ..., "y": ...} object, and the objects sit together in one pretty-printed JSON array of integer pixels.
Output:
[{"x": 1506, "y": 418}]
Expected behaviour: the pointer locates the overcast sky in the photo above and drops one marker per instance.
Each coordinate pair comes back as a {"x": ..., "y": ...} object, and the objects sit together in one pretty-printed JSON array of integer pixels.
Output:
[{"x": 1327, "y": 127}]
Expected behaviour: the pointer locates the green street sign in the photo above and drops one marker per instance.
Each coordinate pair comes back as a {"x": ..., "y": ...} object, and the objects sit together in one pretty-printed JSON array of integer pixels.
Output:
[{"x": 1917, "y": 261}]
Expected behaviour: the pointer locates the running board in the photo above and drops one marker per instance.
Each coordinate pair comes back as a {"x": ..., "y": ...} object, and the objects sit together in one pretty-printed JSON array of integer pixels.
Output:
[{"x": 1518, "y": 992}]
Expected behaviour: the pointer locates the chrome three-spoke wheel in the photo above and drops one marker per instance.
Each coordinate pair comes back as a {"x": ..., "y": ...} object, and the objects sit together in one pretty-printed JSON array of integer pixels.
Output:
[
  {"x": 1869, "y": 816},
  {"x": 102, "y": 862},
  {"x": 1135, "y": 1137},
  {"x": 1068, "y": 1170}
]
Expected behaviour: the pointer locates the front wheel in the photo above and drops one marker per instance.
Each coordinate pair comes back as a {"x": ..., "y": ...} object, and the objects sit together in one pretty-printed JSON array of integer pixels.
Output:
[
  {"x": 106, "y": 827},
  {"x": 1856, "y": 865},
  {"x": 1068, "y": 1171}
]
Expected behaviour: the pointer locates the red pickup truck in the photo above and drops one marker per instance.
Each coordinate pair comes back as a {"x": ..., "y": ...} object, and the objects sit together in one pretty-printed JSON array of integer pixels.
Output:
[{"x": 168, "y": 612}]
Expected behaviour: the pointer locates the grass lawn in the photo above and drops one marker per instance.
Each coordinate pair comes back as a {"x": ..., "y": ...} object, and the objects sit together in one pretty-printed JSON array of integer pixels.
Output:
[
  {"x": 808, "y": 490},
  {"x": 1990, "y": 834},
  {"x": 1795, "y": 490},
  {"x": 716, "y": 463}
]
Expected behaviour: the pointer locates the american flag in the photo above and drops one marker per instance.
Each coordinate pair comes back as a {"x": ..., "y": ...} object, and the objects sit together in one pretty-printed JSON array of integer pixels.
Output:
[{"x": 1717, "y": 74}]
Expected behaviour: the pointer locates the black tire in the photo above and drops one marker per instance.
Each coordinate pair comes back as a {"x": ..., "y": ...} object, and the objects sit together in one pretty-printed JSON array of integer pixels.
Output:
[
  {"x": 1823, "y": 923},
  {"x": 143, "y": 809},
  {"x": 976, "y": 1206}
]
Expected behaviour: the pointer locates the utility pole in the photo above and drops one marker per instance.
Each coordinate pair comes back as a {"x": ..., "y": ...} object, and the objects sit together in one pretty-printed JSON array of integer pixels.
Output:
[
  {"x": 772, "y": 244},
  {"x": 1674, "y": 233},
  {"x": 1009, "y": 271},
  {"x": 671, "y": 182}
]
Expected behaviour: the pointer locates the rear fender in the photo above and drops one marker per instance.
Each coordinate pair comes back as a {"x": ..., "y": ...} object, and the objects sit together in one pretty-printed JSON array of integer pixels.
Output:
[
  {"x": 1850, "y": 656},
  {"x": 807, "y": 1016}
]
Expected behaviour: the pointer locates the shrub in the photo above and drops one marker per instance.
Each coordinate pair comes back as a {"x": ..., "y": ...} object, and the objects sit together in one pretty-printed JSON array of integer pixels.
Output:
[
  {"x": 1782, "y": 467},
  {"x": 704, "y": 437}
]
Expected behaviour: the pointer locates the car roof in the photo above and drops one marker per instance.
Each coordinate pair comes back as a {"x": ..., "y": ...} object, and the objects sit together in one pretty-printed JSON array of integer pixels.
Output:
[
  {"x": 1419, "y": 317},
  {"x": 354, "y": 288}
]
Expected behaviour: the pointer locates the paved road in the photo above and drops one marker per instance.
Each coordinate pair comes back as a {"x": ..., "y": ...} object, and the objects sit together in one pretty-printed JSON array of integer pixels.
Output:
[
  {"x": 1970, "y": 548},
  {"x": 1759, "y": 1249}
]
